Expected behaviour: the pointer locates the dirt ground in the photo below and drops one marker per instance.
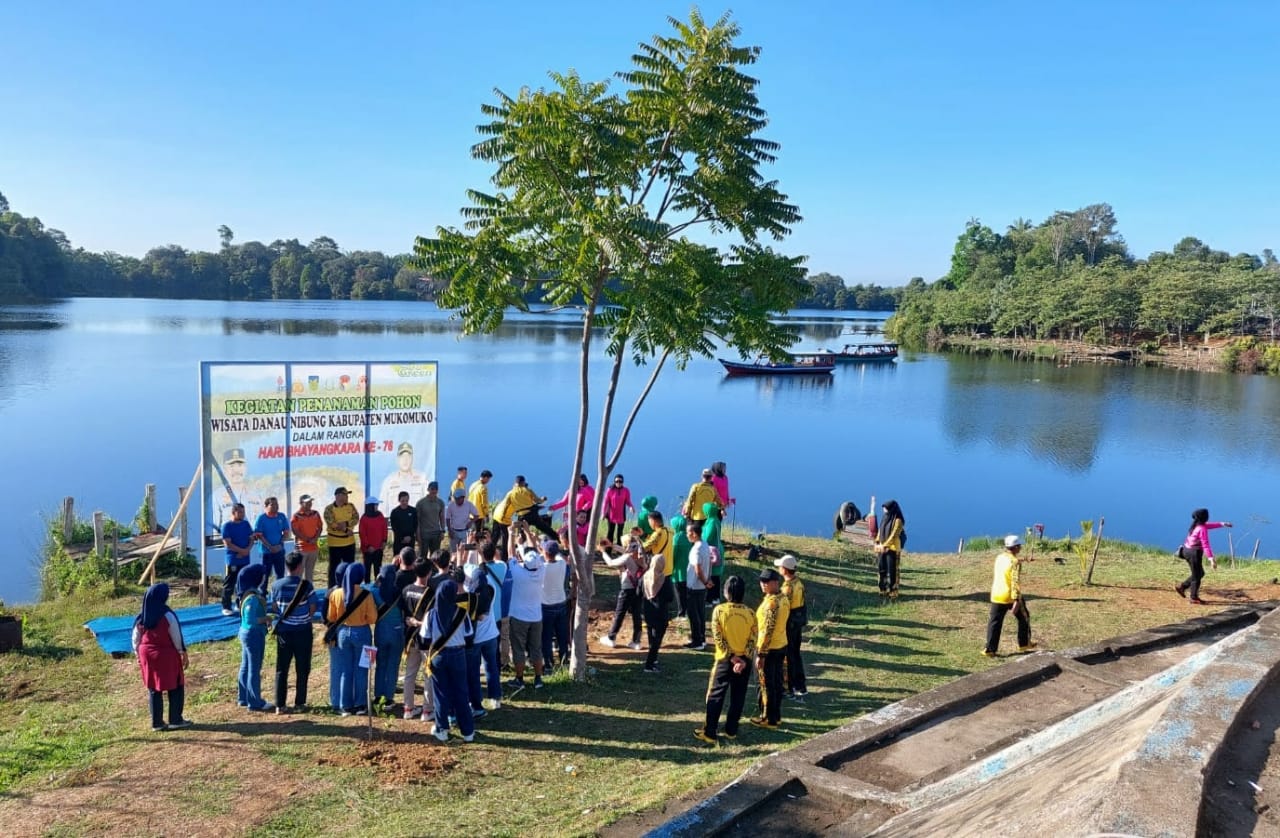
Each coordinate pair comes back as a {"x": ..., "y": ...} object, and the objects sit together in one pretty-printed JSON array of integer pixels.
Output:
[{"x": 138, "y": 796}]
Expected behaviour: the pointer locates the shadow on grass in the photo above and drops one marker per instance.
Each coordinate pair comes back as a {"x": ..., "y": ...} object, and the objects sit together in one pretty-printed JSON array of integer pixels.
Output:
[{"x": 52, "y": 652}]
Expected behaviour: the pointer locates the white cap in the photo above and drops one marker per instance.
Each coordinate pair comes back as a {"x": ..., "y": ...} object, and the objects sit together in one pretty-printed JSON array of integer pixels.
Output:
[
  {"x": 788, "y": 561},
  {"x": 1012, "y": 541}
]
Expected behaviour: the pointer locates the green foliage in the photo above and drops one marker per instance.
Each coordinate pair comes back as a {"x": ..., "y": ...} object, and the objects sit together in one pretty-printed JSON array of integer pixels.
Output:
[
  {"x": 1072, "y": 278},
  {"x": 39, "y": 262}
]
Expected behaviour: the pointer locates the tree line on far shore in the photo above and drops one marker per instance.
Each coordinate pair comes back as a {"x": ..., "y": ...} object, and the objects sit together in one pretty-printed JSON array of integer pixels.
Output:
[
  {"x": 40, "y": 262},
  {"x": 1072, "y": 277}
]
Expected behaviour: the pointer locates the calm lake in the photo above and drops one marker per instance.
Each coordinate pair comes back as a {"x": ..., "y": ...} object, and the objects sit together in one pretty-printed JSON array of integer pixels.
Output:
[{"x": 99, "y": 397}]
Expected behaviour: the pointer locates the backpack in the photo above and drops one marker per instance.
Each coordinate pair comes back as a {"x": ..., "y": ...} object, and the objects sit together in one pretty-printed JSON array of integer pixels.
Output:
[{"x": 902, "y": 538}]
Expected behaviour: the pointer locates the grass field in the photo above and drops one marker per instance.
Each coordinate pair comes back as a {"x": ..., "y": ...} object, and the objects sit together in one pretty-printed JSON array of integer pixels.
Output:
[{"x": 77, "y": 755}]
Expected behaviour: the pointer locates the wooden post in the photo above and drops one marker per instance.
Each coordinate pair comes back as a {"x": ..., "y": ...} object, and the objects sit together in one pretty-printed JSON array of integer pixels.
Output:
[
  {"x": 151, "y": 566},
  {"x": 182, "y": 521},
  {"x": 960, "y": 547},
  {"x": 1231, "y": 549},
  {"x": 115, "y": 560},
  {"x": 68, "y": 519},
  {"x": 1088, "y": 579},
  {"x": 149, "y": 500},
  {"x": 99, "y": 545}
]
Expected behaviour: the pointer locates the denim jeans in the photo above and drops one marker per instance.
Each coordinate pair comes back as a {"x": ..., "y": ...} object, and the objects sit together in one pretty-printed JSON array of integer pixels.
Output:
[
  {"x": 350, "y": 680},
  {"x": 555, "y": 627},
  {"x": 449, "y": 686},
  {"x": 389, "y": 638},
  {"x": 486, "y": 653},
  {"x": 253, "y": 646}
]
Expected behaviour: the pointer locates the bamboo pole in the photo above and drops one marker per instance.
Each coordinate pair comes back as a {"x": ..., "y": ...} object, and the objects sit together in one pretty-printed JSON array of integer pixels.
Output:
[
  {"x": 99, "y": 544},
  {"x": 1088, "y": 579},
  {"x": 149, "y": 502},
  {"x": 151, "y": 566},
  {"x": 1231, "y": 549},
  {"x": 115, "y": 559},
  {"x": 183, "y": 536},
  {"x": 68, "y": 519},
  {"x": 1255, "y": 548}
]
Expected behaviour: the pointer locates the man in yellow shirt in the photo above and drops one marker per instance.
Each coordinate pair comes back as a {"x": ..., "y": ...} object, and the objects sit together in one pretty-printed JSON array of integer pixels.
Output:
[
  {"x": 797, "y": 619},
  {"x": 459, "y": 482},
  {"x": 340, "y": 520},
  {"x": 771, "y": 645},
  {"x": 1006, "y": 596},
  {"x": 519, "y": 500},
  {"x": 704, "y": 491},
  {"x": 657, "y": 588},
  {"x": 733, "y": 631},
  {"x": 478, "y": 494}
]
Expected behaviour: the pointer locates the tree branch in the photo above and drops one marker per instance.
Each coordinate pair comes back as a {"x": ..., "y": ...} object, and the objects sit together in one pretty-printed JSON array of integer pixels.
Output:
[{"x": 635, "y": 409}]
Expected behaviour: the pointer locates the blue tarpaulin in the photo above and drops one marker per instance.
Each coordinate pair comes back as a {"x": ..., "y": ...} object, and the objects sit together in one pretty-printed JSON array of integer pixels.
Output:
[{"x": 200, "y": 624}]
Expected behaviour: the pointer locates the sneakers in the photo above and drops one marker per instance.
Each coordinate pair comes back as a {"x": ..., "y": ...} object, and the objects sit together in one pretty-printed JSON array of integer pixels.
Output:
[
  {"x": 1195, "y": 600},
  {"x": 695, "y": 647},
  {"x": 1180, "y": 590},
  {"x": 765, "y": 723},
  {"x": 227, "y": 612},
  {"x": 159, "y": 728},
  {"x": 344, "y": 713},
  {"x": 652, "y": 669},
  {"x": 801, "y": 693},
  {"x": 362, "y": 711},
  {"x": 796, "y": 696},
  {"x": 478, "y": 713},
  {"x": 701, "y": 736},
  {"x": 180, "y": 723},
  {"x": 412, "y": 712},
  {"x": 635, "y": 645},
  {"x": 727, "y": 735},
  {"x": 607, "y": 642},
  {"x": 987, "y": 654},
  {"x": 267, "y": 707},
  {"x": 537, "y": 683},
  {"x": 441, "y": 733},
  {"x": 470, "y": 737},
  {"x": 1030, "y": 647},
  {"x": 515, "y": 684}
]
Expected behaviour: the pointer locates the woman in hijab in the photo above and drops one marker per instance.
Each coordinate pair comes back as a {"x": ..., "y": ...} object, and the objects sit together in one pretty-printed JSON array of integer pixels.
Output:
[
  {"x": 351, "y": 632},
  {"x": 254, "y": 620},
  {"x": 888, "y": 546},
  {"x": 1194, "y": 550},
  {"x": 447, "y": 662},
  {"x": 388, "y": 635},
  {"x": 162, "y": 656}
]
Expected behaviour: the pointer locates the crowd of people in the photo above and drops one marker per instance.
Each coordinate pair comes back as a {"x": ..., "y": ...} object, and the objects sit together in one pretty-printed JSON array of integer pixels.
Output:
[
  {"x": 477, "y": 599},
  {"x": 498, "y": 599}
]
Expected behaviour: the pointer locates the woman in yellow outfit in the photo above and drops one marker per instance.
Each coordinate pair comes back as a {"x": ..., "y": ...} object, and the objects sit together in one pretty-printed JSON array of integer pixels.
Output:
[{"x": 888, "y": 547}]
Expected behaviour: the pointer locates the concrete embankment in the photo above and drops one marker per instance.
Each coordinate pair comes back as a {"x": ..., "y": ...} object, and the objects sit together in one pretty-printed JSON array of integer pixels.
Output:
[{"x": 1123, "y": 736}]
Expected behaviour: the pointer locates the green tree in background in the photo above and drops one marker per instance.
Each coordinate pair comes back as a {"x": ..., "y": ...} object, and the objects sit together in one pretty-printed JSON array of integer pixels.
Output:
[{"x": 594, "y": 195}]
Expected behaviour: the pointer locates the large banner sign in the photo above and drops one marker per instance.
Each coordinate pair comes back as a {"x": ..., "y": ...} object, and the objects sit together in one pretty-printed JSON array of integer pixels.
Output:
[{"x": 289, "y": 429}]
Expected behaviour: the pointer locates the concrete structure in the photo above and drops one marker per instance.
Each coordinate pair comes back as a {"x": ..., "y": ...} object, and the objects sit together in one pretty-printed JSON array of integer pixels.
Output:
[{"x": 1121, "y": 737}]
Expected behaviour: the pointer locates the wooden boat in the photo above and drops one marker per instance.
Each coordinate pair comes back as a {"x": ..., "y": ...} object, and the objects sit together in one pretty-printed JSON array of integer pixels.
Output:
[
  {"x": 867, "y": 352},
  {"x": 799, "y": 363}
]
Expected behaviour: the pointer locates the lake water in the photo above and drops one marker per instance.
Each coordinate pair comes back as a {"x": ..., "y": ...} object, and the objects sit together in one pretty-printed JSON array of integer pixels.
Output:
[{"x": 99, "y": 397}]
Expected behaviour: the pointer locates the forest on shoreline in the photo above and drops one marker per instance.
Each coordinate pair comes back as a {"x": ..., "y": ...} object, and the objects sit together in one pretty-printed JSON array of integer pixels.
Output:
[
  {"x": 38, "y": 262},
  {"x": 1072, "y": 278}
]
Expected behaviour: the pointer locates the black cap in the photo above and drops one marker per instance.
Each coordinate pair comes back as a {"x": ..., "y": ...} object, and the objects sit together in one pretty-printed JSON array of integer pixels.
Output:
[{"x": 770, "y": 575}]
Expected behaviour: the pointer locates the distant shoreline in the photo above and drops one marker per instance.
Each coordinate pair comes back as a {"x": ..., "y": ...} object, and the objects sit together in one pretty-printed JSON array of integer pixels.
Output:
[{"x": 1197, "y": 357}]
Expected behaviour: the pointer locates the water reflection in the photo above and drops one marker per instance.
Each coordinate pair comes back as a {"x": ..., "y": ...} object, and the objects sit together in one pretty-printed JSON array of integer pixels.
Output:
[
  {"x": 770, "y": 388},
  {"x": 1035, "y": 409}
]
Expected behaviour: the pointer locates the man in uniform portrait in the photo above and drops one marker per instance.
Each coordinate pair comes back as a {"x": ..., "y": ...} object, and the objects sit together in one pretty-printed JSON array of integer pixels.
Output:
[{"x": 403, "y": 479}]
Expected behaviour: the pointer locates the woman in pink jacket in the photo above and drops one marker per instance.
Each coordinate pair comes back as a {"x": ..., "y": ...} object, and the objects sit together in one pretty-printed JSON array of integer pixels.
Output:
[
  {"x": 584, "y": 496},
  {"x": 1195, "y": 550},
  {"x": 617, "y": 500}
]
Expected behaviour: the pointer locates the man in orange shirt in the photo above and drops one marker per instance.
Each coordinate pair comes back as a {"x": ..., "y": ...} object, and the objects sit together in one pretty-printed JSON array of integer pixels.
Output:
[{"x": 307, "y": 526}]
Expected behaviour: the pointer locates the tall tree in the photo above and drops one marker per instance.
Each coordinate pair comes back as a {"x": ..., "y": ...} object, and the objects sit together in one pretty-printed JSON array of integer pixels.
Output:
[
  {"x": 594, "y": 194},
  {"x": 225, "y": 236}
]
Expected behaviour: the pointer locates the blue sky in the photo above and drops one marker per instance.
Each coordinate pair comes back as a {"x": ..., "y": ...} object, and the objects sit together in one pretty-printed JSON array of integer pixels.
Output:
[{"x": 137, "y": 124}]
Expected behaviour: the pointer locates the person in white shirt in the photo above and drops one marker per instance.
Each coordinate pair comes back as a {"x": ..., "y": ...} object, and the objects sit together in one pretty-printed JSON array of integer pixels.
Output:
[
  {"x": 555, "y": 605},
  {"x": 458, "y": 517},
  {"x": 525, "y": 617},
  {"x": 698, "y": 578},
  {"x": 483, "y": 599}
]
